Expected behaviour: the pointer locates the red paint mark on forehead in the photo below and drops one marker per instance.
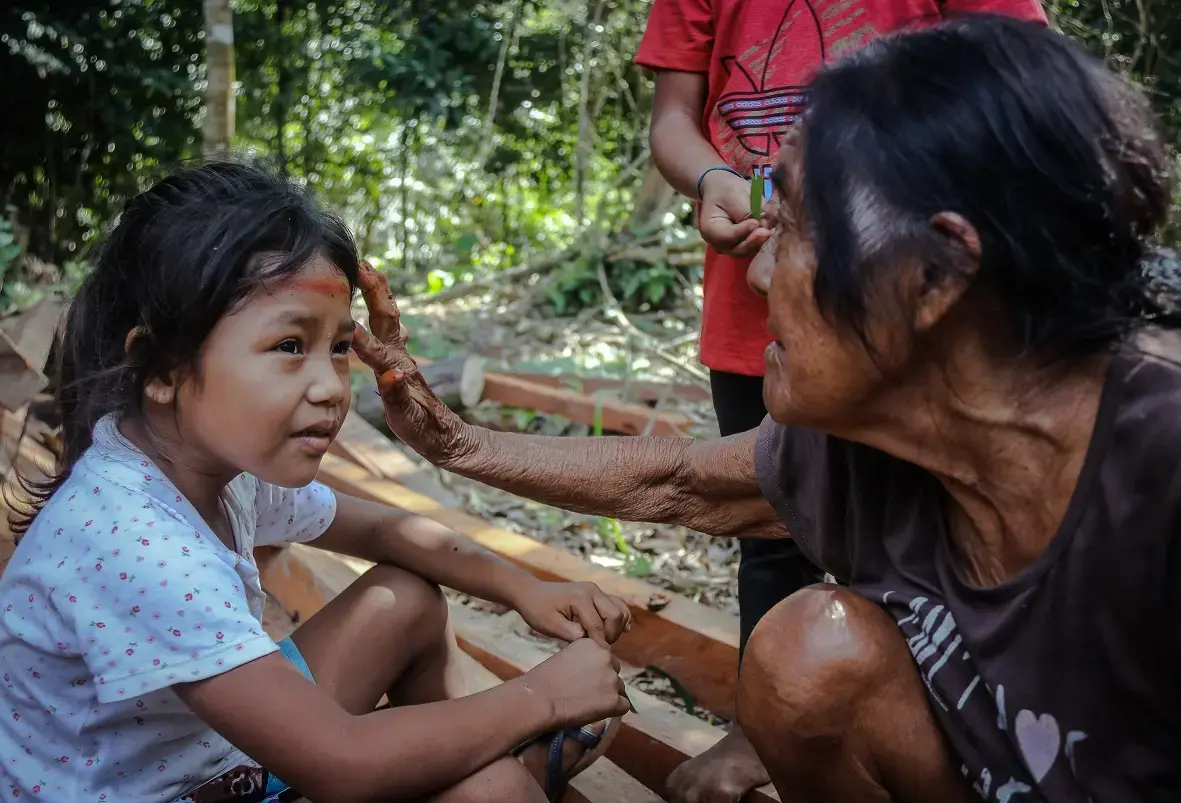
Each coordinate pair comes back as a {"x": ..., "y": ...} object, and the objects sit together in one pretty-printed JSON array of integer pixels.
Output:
[{"x": 321, "y": 285}]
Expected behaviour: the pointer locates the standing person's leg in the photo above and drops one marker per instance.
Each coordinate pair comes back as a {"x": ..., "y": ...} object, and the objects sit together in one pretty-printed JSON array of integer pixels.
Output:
[{"x": 768, "y": 572}]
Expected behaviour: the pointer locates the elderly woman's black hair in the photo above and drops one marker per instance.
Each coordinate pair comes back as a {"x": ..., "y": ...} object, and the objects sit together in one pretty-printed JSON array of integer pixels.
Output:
[
  {"x": 181, "y": 256},
  {"x": 1054, "y": 160}
]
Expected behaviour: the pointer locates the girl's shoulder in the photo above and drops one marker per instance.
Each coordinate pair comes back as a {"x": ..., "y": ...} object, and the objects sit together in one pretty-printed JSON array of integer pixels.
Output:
[
  {"x": 109, "y": 520},
  {"x": 112, "y": 497}
]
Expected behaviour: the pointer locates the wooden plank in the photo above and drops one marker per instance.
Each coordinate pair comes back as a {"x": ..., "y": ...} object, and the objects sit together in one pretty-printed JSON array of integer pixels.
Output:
[
  {"x": 615, "y": 416},
  {"x": 695, "y": 644},
  {"x": 654, "y": 739},
  {"x": 304, "y": 579},
  {"x": 637, "y": 389}
]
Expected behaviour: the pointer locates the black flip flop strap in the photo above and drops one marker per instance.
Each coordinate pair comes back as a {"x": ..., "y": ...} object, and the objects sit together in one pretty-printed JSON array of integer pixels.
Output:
[{"x": 555, "y": 774}]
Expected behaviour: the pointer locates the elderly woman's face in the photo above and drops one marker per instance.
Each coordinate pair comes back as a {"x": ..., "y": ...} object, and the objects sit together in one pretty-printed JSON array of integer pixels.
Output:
[{"x": 815, "y": 375}]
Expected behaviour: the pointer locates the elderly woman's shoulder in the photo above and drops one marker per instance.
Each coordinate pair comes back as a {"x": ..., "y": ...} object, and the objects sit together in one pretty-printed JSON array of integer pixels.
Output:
[
  {"x": 1146, "y": 392},
  {"x": 1153, "y": 359}
]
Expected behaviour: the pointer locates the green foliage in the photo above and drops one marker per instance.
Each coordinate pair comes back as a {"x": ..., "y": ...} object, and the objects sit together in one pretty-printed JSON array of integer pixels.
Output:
[
  {"x": 638, "y": 287},
  {"x": 635, "y": 563},
  {"x": 678, "y": 688},
  {"x": 446, "y": 132},
  {"x": 96, "y": 97},
  {"x": 10, "y": 249},
  {"x": 383, "y": 107}
]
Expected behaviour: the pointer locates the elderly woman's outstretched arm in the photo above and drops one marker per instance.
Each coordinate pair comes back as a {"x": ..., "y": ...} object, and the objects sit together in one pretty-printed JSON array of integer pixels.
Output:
[{"x": 706, "y": 485}]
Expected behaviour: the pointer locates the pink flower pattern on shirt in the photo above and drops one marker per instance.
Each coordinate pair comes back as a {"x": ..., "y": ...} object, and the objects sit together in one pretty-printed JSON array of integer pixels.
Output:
[{"x": 118, "y": 591}]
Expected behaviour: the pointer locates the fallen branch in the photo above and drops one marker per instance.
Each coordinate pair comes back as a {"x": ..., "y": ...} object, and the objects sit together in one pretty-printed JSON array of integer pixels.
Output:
[{"x": 613, "y": 310}]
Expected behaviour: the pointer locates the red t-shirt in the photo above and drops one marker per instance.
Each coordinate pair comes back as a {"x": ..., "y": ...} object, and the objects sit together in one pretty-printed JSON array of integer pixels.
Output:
[{"x": 760, "y": 55}]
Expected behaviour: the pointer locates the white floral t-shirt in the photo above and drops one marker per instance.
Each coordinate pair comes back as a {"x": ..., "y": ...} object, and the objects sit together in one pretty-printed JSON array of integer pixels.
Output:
[{"x": 118, "y": 591}]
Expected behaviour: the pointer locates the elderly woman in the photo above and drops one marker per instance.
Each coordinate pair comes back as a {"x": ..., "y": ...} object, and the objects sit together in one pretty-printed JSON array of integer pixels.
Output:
[{"x": 975, "y": 406}]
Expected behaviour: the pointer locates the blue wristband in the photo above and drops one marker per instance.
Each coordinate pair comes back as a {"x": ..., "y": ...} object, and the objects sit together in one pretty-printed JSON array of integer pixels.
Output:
[{"x": 724, "y": 169}]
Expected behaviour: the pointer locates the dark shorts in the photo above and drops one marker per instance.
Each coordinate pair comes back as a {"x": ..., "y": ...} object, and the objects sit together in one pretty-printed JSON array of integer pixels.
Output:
[
  {"x": 769, "y": 571},
  {"x": 250, "y": 783}
]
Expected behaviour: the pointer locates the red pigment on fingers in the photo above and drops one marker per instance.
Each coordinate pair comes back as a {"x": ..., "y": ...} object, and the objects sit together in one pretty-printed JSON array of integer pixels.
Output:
[{"x": 392, "y": 377}]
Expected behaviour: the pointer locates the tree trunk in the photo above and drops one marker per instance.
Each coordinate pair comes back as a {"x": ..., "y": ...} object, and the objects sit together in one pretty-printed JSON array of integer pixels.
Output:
[
  {"x": 219, "y": 95},
  {"x": 654, "y": 198},
  {"x": 585, "y": 145},
  {"x": 282, "y": 103}
]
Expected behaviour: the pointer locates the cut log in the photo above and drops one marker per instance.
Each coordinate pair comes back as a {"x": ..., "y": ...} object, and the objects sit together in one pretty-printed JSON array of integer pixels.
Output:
[
  {"x": 511, "y": 390},
  {"x": 695, "y": 644},
  {"x": 457, "y": 381},
  {"x": 25, "y": 342}
]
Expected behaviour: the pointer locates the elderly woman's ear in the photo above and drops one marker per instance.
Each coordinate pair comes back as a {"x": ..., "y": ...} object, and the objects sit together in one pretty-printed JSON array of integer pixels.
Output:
[{"x": 946, "y": 278}]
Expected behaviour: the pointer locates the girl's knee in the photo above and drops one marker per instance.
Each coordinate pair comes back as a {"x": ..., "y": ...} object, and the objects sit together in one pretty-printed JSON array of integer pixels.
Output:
[
  {"x": 398, "y": 592},
  {"x": 503, "y": 781}
]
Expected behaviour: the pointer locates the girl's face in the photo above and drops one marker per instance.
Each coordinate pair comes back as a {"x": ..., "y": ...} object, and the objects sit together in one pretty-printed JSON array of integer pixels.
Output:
[{"x": 271, "y": 388}]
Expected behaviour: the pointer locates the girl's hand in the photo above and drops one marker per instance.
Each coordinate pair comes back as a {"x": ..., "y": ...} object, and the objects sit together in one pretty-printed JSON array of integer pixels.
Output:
[
  {"x": 412, "y": 411},
  {"x": 570, "y": 611},
  {"x": 581, "y": 684}
]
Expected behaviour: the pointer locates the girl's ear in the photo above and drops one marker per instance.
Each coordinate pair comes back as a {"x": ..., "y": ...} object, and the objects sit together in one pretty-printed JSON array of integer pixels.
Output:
[{"x": 161, "y": 390}]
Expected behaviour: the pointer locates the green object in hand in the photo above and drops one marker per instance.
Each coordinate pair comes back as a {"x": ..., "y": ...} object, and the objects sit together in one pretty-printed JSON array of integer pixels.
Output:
[
  {"x": 629, "y": 702},
  {"x": 756, "y": 195}
]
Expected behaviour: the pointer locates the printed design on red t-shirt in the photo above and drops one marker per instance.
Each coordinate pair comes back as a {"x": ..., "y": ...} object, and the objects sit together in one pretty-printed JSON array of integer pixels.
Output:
[{"x": 765, "y": 88}]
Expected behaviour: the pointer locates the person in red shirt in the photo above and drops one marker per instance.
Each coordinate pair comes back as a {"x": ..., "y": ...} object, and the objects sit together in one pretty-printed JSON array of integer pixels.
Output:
[{"x": 731, "y": 78}]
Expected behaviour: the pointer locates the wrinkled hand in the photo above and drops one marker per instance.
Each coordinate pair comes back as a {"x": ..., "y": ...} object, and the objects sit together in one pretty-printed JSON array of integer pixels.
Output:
[
  {"x": 412, "y": 410},
  {"x": 581, "y": 684},
  {"x": 726, "y": 223},
  {"x": 570, "y": 611}
]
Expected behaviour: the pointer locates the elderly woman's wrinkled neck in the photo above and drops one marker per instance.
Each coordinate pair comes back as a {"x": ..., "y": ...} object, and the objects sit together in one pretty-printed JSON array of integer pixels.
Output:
[{"x": 1006, "y": 437}]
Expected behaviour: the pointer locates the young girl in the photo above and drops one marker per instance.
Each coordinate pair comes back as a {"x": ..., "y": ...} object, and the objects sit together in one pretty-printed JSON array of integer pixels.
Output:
[{"x": 204, "y": 376}]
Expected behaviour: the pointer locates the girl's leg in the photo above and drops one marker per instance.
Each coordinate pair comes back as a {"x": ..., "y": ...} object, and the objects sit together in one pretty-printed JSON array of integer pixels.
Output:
[
  {"x": 389, "y": 633},
  {"x": 833, "y": 704}
]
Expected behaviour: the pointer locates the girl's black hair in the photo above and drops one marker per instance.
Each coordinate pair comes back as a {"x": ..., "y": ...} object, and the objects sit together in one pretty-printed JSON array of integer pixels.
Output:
[
  {"x": 181, "y": 256},
  {"x": 1055, "y": 160}
]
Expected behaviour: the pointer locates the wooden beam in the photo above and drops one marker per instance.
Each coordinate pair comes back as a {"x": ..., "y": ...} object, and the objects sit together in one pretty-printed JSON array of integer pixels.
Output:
[
  {"x": 304, "y": 579},
  {"x": 694, "y": 644}
]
